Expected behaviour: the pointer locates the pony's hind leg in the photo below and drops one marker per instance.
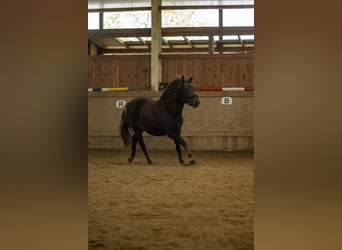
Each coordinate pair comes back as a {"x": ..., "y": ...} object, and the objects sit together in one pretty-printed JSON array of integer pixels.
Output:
[
  {"x": 143, "y": 147},
  {"x": 133, "y": 149}
]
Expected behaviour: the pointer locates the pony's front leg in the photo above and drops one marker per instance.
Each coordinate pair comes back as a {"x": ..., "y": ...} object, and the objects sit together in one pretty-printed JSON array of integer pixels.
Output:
[
  {"x": 185, "y": 146},
  {"x": 180, "y": 141},
  {"x": 178, "y": 148}
]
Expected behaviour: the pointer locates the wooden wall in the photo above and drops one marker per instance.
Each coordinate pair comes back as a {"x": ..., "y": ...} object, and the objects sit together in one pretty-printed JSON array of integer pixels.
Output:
[
  {"x": 134, "y": 71},
  {"x": 120, "y": 71},
  {"x": 210, "y": 70},
  {"x": 212, "y": 126}
]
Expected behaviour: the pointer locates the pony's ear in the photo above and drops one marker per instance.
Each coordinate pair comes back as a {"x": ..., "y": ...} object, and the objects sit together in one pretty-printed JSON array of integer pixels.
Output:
[
  {"x": 190, "y": 80},
  {"x": 183, "y": 78}
]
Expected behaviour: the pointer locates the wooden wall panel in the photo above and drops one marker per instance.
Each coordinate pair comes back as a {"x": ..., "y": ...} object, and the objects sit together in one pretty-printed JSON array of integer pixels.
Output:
[
  {"x": 91, "y": 73},
  {"x": 134, "y": 71},
  {"x": 210, "y": 70},
  {"x": 212, "y": 126}
]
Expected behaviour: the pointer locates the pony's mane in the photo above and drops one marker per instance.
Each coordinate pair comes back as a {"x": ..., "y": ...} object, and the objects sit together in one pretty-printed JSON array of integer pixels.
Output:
[{"x": 170, "y": 88}]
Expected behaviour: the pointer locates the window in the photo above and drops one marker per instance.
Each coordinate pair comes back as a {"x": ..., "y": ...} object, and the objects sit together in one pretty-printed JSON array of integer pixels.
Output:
[
  {"x": 93, "y": 21},
  {"x": 127, "y": 19},
  {"x": 190, "y": 18},
  {"x": 238, "y": 17}
]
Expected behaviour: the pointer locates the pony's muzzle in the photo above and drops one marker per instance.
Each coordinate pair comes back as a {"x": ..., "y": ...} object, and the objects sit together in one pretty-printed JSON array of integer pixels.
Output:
[{"x": 195, "y": 102}]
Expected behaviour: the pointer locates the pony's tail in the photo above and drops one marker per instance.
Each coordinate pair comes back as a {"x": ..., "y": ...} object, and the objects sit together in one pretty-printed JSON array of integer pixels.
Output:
[{"x": 124, "y": 132}]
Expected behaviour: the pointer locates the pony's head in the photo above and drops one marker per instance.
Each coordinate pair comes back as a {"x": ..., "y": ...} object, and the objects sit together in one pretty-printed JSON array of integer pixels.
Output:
[
  {"x": 185, "y": 90},
  {"x": 188, "y": 94}
]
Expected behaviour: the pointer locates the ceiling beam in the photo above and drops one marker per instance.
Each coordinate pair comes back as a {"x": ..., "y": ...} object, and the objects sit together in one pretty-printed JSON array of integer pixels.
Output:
[
  {"x": 101, "y": 10},
  {"x": 118, "y": 33},
  {"x": 183, "y": 7},
  {"x": 188, "y": 31},
  {"x": 231, "y": 6},
  {"x": 178, "y": 50},
  {"x": 188, "y": 41},
  {"x": 207, "y": 31}
]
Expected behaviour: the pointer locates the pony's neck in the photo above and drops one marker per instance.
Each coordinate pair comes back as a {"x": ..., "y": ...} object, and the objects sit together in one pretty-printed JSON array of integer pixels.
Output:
[{"x": 173, "y": 103}]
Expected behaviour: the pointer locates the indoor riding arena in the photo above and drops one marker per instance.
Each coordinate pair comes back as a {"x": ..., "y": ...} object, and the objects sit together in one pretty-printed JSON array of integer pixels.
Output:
[{"x": 136, "y": 49}]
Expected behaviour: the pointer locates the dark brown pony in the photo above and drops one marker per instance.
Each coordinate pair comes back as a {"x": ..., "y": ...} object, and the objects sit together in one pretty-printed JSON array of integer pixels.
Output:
[{"x": 161, "y": 117}]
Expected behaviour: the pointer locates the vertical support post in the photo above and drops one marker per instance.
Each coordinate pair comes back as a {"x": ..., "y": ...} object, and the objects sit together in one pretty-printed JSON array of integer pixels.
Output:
[
  {"x": 220, "y": 43},
  {"x": 92, "y": 49},
  {"x": 156, "y": 45},
  {"x": 101, "y": 20},
  {"x": 211, "y": 44}
]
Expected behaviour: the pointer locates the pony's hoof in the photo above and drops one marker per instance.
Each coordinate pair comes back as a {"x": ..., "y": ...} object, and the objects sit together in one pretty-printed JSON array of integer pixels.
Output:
[
  {"x": 182, "y": 162},
  {"x": 130, "y": 160},
  {"x": 150, "y": 162},
  {"x": 192, "y": 162}
]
